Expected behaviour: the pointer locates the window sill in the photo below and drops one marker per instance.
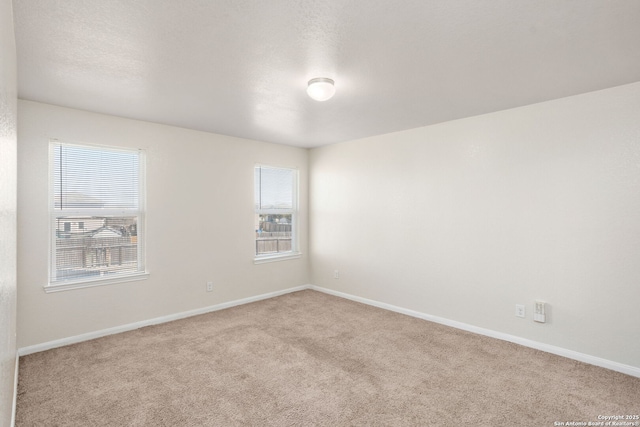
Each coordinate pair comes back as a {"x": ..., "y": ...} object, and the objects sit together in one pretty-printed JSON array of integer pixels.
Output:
[
  {"x": 273, "y": 258},
  {"x": 80, "y": 284}
]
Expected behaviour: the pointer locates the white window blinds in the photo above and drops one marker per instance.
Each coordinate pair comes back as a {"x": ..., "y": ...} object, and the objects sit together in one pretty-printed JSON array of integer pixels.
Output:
[
  {"x": 95, "y": 178},
  {"x": 274, "y": 188},
  {"x": 97, "y": 212}
]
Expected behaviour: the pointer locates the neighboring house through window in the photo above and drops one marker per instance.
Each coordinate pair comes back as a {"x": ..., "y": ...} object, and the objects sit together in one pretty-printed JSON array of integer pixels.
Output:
[
  {"x": 276, "y": 213},
  {"x": 97, "y": 214}
]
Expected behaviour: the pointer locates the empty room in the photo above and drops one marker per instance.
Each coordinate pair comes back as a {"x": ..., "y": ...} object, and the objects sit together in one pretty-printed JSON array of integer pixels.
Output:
[{"x": 332, "y": 213}]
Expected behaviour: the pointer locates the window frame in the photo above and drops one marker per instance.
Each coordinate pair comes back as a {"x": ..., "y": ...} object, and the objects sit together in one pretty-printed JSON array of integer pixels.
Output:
[
  {"x": 294, "y": 253},
  {"x": 54, "y": 285}
]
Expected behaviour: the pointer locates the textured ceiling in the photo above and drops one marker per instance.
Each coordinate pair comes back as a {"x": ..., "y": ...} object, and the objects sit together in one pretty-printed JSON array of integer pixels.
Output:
[{"x": 240, "y": 67}]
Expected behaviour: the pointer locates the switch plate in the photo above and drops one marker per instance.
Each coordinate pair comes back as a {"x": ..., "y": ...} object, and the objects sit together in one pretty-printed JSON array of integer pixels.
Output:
[
  {"x": 520, "y": 311},
  {"x": 336, "y": 274}
]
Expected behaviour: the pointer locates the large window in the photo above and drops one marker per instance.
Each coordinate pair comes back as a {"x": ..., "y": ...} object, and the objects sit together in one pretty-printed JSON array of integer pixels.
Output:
[
  {"x": 97, "y": 214},
  {"x": 276, "y": 208}
]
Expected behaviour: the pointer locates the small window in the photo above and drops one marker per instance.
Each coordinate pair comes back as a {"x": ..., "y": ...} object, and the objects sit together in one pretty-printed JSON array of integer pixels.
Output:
[
  {"x": 97, "y": 213},
  {"x": 276, "y": 209}
]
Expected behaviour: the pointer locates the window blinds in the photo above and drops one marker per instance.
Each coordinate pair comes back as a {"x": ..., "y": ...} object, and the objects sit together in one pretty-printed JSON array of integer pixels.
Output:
[
  {"x": 95, "y": 178},
  {"x": 274, "y": 188}
]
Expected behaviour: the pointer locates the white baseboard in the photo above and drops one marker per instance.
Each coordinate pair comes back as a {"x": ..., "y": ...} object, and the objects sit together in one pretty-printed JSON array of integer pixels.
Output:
[
  {"x": 137, "y": 325},
  {"x": 570, "y": 354},
  {"x": 15, "y": 392}
]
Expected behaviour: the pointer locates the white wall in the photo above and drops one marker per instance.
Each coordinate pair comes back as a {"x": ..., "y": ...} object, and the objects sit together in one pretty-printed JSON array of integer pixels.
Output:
[
  {"x": 465, "y": 219},
  {"x": 199, "y": 223},
  {"x": 8, "y": 171}
]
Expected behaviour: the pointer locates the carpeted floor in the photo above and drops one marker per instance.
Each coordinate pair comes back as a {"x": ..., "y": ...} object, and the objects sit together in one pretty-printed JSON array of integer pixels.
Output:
[{"x": 308, "y": 358}]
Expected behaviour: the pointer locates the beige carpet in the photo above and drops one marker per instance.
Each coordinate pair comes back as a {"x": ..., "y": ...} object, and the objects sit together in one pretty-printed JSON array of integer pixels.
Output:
[{"x": 308, "y": 358}]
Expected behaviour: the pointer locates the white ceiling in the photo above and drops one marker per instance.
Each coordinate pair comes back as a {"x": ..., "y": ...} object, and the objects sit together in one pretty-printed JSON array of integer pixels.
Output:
[{"x": 240, "y": 67}]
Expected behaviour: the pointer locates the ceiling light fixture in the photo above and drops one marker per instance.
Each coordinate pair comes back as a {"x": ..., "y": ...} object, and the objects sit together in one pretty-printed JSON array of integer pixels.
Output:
[{"x": 321, "y": 88}]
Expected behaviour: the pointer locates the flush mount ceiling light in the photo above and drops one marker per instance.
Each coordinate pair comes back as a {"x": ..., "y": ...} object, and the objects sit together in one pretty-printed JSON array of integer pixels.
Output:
[{"x": 321, "y": 88}]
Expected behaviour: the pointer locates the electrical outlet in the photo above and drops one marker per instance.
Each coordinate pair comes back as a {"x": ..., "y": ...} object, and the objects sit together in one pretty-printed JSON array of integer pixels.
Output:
[
  {"x": 520, "y": 312},
  {"x": 209, "y": 286},
  {"x": 539, "y": 314},
  {"x": 336, "y": 274}
]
